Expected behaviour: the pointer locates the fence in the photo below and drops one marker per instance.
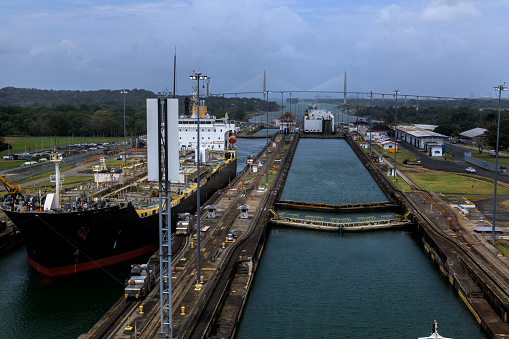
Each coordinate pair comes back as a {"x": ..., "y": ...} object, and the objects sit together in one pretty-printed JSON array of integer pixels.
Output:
[
  {"x": 14, "y": 175},
  {"x": 467, "y": 156}
]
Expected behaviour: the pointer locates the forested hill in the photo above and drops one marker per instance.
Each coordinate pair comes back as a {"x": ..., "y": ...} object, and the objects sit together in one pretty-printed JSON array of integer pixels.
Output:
[
  {"x": 31, "y": 97},
  {"x": 48, "y": 112}
]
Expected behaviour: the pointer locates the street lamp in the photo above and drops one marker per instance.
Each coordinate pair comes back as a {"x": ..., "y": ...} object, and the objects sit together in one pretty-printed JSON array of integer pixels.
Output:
[
  {"x": 395, "y": 131},
  {"x": 267, "y": 142},
  {"x": 124, "y": 92},
  {"x": 498, "y": 88},
  {"x": 198, "y": 76},
  {"x": 370, "y": 119}
]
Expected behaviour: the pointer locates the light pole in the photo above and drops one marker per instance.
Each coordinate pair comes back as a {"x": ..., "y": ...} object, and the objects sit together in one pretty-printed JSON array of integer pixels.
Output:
[
  {"x": 197, "y": 76},
  {"x": 395, "y": 131},
  {"x": 124, "y": 92},
  {"x": 498, "y": 88},
  {"x": 282, "y": 113},
  {"x": 370, "y": 119},
  {"x": 267, "y": 143}
]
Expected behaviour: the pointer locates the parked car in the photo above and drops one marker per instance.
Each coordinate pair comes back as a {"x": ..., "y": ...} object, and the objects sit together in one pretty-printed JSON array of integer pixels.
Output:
[{"x": 470, "y": 169}]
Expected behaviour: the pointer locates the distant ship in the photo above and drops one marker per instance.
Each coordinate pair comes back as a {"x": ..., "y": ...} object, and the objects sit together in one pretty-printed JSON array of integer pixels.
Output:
[
  {"x": 318, "y": 121},
  {"x": 70, "y": 240}
]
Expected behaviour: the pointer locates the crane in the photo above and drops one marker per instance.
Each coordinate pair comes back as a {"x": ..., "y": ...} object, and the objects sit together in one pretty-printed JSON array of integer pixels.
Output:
[{"x": 11, "y": 189}]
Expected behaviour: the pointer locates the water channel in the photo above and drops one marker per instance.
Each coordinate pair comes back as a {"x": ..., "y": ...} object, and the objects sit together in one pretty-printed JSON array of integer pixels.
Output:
[
  {"x": 354, "y": 285},
  {"x": 308, "y": 285}
]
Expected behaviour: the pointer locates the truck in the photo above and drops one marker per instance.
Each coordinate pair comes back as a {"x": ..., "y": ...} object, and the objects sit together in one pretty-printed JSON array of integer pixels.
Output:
[
  {"x": 141, "y": 281},
  {"x": 184, "y": 224}
]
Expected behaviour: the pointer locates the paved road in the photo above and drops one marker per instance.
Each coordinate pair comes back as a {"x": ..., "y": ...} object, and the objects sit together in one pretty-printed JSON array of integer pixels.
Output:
[{"x": 456, "y": 164}]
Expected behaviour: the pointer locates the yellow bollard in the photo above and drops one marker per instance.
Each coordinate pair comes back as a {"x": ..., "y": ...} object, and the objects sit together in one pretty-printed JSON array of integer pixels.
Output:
[
  {"x": 201, "y": 279},
  {"x": 141, "y": 310},
  {"x": 192, "y": 244},
  {"x": 183, "y": 308},
  {"x": 223, "y": 245}
]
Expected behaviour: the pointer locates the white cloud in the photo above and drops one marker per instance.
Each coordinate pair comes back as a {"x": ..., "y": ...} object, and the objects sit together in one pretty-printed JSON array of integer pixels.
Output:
[
  {"x": 449, "y": 10},
  {"x": 386, "y": 43}
]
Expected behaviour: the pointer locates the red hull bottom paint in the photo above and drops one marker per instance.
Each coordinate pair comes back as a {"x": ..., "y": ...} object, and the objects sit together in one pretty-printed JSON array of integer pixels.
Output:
[{"x": 92, "y": 265}]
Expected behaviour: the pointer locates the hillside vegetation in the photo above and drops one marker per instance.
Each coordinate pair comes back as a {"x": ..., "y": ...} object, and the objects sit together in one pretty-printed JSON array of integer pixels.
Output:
[{"x": 34, "y": 112}]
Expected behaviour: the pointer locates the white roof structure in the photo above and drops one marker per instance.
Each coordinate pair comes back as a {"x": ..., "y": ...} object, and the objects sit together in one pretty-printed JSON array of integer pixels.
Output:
[
  {"x": 474, "y": 132},
  {"x": 420, "y": 132},
  {"x": 423, "y": 126}
]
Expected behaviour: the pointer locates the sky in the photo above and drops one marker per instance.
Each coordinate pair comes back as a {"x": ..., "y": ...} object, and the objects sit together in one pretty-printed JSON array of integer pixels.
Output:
[{"x": 453, "y": 48}]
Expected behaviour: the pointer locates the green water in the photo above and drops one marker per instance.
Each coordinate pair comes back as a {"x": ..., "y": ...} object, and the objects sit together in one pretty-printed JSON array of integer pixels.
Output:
[
  {"x": 313, "y": 284},
  {"x": 36, "y": 307}
]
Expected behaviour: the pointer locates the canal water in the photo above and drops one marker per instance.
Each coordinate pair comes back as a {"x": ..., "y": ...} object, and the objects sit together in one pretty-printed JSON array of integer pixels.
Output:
[
  {"x": 36, "y": 307},
  {"x": 308, "y": 284},
  {"x": 313, "y": 284}
]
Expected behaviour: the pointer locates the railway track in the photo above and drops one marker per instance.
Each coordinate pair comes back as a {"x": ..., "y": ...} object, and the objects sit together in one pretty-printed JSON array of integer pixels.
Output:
[
  {"x": 185, "y": 281},
  {"x": 480, "y": 264},
  {"x": 489, "y": 274},
  {"x": 201, "y": 321},
  {"x": 125, "y": 307}
]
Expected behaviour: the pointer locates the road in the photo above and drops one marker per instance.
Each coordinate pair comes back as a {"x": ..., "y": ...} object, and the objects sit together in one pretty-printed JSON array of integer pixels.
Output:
[{"x": 458, "y": 165}]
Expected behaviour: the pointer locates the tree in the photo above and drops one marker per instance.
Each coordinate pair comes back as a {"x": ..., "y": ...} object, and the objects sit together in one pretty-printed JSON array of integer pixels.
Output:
[
  {"x": 491, "y": 135},
  {"x": 481, "y": 141},
  {"x": 447, "y": 129},
  {"x": 4, "y": 145}
]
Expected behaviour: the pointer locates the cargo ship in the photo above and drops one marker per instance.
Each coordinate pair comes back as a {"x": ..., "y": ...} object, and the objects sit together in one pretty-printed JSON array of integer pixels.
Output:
[
  {"x": 318, "y": 121},
  {"x": 67, "y": 237}
]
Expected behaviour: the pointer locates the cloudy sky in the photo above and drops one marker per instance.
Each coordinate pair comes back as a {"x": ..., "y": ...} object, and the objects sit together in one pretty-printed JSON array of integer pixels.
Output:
[{"x": 426, "y": 47}]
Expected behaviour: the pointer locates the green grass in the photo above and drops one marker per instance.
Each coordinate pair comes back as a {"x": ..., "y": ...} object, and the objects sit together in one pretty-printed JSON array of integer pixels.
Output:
[
  {"x": 401, "y": 185},
  {"x": 442, "y": 182}
]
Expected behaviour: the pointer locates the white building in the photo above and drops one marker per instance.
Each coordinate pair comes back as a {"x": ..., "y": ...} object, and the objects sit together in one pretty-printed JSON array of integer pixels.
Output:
[
  {"x": 388, "y": 144},
  {"x": 435, "y": 150},
  {"x": 419, "y": 137}
]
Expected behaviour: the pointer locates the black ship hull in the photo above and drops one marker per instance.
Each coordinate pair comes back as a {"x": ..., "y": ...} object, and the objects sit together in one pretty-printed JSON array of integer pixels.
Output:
[{"x": 66, "y": 243}]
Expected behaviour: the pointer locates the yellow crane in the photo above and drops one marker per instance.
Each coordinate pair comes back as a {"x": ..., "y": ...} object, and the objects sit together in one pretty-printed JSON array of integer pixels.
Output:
[{"x": 11, "y": 189}]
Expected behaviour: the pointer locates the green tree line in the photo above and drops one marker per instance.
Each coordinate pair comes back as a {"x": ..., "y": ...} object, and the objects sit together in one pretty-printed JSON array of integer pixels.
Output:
[{"x": 36, "y": 112}]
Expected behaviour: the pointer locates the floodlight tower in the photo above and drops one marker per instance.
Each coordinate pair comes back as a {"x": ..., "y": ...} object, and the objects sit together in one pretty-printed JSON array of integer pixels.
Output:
[
  {"x": 266, "y": 92},
  {"x": 198, "y": 76},
  {"x": 498, "y": 88},
  {"x": 396, "y": 92},
  {"x": 124, "y": 92}
]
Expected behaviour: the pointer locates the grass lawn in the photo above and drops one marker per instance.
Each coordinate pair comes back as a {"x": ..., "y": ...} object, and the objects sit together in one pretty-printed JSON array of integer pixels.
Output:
[
  {"x": 442, "y": 182},
  {"x": 401, "y": 185}
]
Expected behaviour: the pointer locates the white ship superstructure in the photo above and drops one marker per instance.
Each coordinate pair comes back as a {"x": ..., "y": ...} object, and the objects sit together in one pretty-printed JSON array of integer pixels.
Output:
[
  {"x": 318, "y": 121},
  {"x": 216, "y": 134}
]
